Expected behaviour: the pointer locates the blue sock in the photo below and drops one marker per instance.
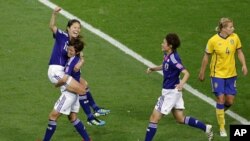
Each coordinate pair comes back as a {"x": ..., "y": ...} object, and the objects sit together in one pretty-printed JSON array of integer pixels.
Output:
[
  {"x": 151, "y": 130},
  {"x": 50, "y": 130},
  {"x": 85, "y": 106},
  {"x": 195, "y": 123},
  {"x": 91, "y": 101},
  {"x": 81, "y": 129}
]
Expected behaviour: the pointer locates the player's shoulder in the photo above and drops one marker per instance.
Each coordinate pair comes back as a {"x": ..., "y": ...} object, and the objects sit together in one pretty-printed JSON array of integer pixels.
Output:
[
  {"x": 62, "y": 32},
  {"x": 175, "y": 57},
  {"x": 234, "y": 35},
  {"x": 215, "y": 37}
]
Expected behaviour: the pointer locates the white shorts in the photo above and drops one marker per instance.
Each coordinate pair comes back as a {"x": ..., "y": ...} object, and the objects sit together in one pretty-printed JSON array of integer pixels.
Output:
[
  {"x": 170, "y": 98},
  {"x": 55, "y": 73},
  {"x": 67, "y": 103}
]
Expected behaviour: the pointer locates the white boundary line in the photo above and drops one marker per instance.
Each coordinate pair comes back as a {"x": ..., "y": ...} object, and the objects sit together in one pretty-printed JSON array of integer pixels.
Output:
[{"x": 138, "y": 57}]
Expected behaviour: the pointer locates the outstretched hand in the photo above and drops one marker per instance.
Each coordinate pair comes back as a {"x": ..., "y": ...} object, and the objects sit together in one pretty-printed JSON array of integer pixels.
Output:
[
  {"x": 149, "y": 70},
  {"x": 57, "y": 9}
]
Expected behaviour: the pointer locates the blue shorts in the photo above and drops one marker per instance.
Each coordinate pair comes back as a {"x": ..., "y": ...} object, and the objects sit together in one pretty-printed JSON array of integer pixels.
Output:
[{"x": 225, "y": 86}]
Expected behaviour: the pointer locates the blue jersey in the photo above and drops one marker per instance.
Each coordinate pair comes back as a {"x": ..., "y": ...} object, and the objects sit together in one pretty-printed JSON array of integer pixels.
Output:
[
  {"x": 59, "y": 53},
  {"x": 172, "y": 68},
  {"x": 69, "y": 68}
]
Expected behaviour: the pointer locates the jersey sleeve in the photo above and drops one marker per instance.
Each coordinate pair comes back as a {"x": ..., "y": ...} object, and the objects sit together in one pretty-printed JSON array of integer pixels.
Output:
[
  {"x": 177, "y": 62},
  {"x": 59, "y": 34},
  {"x": 179, "y": 66},
  {"x": 237, "y": 42},
  {"x": 209, "y": 47}
]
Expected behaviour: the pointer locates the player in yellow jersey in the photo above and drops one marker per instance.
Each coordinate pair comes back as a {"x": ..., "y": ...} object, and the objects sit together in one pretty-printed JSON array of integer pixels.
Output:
[{"x": 222, "y": 48}]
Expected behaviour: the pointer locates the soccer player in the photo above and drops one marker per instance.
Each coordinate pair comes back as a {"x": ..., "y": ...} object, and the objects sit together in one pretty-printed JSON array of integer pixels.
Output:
[
  {"x": 59, "y": 57},
  {"x": 58, "y": 60},
  {"x": 222, "y": 47},
  {"x": 171, "y": 95},
  {"x": 68, "y": 103}
]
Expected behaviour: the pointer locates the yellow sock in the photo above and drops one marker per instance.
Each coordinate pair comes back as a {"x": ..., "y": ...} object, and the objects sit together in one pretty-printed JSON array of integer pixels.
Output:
[{"x": 220, "y": 114}]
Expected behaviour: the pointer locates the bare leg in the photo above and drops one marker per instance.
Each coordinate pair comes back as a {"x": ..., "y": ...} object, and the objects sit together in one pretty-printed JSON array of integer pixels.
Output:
[{"x": 74, "y": 86}]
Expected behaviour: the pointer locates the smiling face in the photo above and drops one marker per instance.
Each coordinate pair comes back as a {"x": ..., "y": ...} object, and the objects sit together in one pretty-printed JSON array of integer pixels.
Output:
[
  {"x": 71, "y": 51},
  {"x": 74, "y": 30}
]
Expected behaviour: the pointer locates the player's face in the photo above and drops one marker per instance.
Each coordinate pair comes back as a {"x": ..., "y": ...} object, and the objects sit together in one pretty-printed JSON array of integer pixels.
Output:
[
  {"x": 164, "y": 46},
  {"x": 74, "y": 30},
  {"x": 229, "y": 29},
  {"x": 71, "y": 51}
]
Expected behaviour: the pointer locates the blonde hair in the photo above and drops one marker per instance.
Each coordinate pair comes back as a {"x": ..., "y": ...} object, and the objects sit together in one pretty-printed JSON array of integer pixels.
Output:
[{"x": 223, "y": 23}]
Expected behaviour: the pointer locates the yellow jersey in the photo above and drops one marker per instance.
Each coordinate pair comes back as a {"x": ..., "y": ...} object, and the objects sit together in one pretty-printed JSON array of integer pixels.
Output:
[{"x": 222, "y": 64}]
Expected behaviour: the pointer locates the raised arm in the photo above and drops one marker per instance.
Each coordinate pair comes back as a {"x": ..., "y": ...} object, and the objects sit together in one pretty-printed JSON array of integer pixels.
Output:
[
  {"x": 157, "y": 68},
  {"x": 52, "y": 24}
]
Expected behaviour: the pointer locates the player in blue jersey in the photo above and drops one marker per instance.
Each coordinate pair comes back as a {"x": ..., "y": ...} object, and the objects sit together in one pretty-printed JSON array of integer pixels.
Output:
[
  {"x": 68, "y": 103},
  {"x": 58, "y": 60},
  {"x": 59, "y": 54},
  {"x": 222, "y": 48},
  {"x": 171, "y": 95}
]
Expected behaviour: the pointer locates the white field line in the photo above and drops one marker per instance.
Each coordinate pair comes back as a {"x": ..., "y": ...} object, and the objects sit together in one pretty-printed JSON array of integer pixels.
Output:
[{"x": 138, "y": 57}]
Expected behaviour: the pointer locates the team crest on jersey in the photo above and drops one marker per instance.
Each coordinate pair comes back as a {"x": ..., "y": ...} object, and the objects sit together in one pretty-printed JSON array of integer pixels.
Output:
[{"x": 231, "y": 41}]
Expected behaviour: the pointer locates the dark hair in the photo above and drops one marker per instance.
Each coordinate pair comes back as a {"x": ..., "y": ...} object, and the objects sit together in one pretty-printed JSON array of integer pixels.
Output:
[
  {"x": 173, "y": 40},
  {"x": 78, "y": 44},
  {"x": 71, "y": 22}
]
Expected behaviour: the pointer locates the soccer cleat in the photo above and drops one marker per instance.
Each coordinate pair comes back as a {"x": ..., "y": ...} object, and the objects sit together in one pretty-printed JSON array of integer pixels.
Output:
[
  {"x": 101, "y": 112},
  {"x": 96, "y": 122},
  {"x": 209, "y": 132},
  {"x": 223, "y": 133}
]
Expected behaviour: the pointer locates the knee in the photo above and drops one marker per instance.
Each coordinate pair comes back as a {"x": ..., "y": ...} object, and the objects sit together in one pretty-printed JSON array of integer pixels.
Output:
[
  {"x": 229, "y": 102},
  {"x": 154, "y": 118},
  {"x": 54, "y": 116},
  {"x": 220, "y": 100},
  {"x": 83, "y": 88},
  {"x": 72, "y": 117}
]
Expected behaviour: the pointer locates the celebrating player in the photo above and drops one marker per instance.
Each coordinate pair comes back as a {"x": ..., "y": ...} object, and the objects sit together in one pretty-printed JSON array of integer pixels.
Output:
[
  {"x": 68, "y": 103},
  {"x": 171, "y": 96},
  {"x": 59, "y": 54},
  {"x": 57, "y": 63}
]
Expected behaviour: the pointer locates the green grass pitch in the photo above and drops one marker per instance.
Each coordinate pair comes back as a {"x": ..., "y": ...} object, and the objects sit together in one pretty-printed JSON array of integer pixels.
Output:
[{"x": 117, "y": 81}]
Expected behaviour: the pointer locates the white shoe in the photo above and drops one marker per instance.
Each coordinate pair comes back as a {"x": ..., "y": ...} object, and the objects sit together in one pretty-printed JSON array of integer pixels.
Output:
[
  {"x": 223, "y": 133},
  {"x": 209, "y": 132}
]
